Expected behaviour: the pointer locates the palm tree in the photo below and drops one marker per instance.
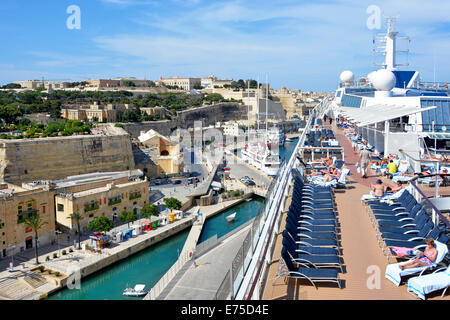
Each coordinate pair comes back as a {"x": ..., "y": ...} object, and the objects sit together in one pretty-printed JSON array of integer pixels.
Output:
[
  {"x": 77, "y": 217},
  {"x": 35, "y": 222}
]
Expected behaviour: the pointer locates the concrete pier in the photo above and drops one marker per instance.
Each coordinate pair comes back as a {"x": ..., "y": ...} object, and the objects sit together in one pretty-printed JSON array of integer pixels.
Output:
[{"x": 80, "y": 264}]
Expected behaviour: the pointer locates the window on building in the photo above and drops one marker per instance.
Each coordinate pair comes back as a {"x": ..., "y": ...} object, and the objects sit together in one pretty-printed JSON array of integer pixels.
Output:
[{"x": 60, "y": 207}]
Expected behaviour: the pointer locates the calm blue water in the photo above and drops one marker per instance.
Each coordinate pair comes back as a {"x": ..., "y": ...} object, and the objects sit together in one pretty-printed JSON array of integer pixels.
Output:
[
  {"x": 145, "y": 267},
  {"x": 219, "y": 225},
  {"x": 149, "y": 265}
]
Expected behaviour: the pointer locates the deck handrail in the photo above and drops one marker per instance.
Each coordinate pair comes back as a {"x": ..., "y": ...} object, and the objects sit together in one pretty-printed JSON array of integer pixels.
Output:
[
  {"x": 438, "y": 212},
  {"x": 273, "y": 210}
]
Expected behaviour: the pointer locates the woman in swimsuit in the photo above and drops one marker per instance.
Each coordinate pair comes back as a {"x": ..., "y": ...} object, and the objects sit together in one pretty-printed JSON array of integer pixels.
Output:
[{"x": 428, "y": 257}]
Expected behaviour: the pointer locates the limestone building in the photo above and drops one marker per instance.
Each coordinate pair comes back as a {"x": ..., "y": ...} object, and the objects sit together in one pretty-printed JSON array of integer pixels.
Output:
[
  {"x": 99, "y": 194},
  {"x": 119, "y": 82},
  {"x": 16, "y": 204},
  {"x": 155, "y": 111},
  {"x": 182, "y": 83},
  {"x": 163, "y": 154},
  {"x": 94, "y": 112}
]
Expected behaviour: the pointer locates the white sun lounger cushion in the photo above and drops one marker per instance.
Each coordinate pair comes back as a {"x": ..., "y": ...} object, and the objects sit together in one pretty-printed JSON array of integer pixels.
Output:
[{"x": 423, "y": 285}]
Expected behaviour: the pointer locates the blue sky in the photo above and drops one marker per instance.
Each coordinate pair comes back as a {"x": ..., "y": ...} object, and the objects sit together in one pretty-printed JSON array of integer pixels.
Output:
[{"x": 300, "y": 44}]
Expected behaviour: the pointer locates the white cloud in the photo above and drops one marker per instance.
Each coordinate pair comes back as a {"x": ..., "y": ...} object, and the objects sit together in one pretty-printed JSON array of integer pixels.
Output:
[{"x": 52, "y": 59}]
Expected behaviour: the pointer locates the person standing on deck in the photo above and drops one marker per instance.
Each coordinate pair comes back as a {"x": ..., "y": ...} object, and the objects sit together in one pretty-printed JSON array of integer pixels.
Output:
[{"x": 365, "y": 155}]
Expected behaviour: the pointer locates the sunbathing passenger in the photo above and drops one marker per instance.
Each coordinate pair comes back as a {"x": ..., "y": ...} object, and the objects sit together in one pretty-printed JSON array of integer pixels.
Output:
[
  {"x": 378, "y": 189},
  {"x": 333, "y": 174},
  {"x": 398, "y": 187},
  {"x": 383, "y": 164},
  {"x": 445, "y": 182},
  {"x": 427, "y": 257}
]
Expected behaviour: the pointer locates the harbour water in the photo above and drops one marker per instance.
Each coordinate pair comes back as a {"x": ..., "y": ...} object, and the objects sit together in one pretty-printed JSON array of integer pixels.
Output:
[
  {"x": 219, "y": 225},
  {"x": 149, "y": 265}
]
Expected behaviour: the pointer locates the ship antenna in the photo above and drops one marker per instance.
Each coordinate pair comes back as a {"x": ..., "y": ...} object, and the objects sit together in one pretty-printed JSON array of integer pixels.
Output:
[
  {"x": 248, "y": 112},
  {"x": 257, "y": 103},
  {"x": 267, "y": 98}
]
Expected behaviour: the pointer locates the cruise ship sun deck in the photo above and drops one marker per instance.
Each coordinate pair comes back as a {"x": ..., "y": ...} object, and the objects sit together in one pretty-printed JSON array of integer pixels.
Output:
[{"x": 363, "y": 276}]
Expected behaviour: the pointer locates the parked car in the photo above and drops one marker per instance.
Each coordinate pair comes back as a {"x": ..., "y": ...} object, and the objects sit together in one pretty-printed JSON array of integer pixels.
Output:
[
  {"x": 157, "y": 182},
  {"x": 193, "y": 179},
  {"x": 249, "y": 183},
  {"x": 176, "y": 181}
]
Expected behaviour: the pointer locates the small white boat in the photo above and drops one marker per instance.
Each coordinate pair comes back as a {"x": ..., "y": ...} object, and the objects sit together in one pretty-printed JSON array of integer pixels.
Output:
[
  {"x": 231, "y": 217},
  {"x": 137, "y": 291},
  {"x": 248, "y": 199},
  {"x": 289, "y": 140}
]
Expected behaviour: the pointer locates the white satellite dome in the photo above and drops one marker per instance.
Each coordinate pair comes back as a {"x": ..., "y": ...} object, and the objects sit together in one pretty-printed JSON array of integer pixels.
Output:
[
  {"x": 347, "y": 76},
  {"x": 370, "y": 75},
  {"x": 383, "y": 80}
]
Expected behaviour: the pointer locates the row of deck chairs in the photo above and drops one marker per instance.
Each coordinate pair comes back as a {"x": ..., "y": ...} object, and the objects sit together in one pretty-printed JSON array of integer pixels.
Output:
[
  {"x": 406, "y": 224},
  {"x": 311, "y": 248},
  {"x": 314, "y": 136}
]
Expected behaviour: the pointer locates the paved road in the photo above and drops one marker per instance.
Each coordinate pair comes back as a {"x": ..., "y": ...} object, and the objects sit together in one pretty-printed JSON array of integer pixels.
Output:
[
  {"x": 180, "y": 191},
  {"x": 240, "y": 169}
]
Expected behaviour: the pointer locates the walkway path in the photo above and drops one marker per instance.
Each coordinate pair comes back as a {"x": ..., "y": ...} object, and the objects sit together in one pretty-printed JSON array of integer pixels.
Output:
[{"x": 202, "y": 278}]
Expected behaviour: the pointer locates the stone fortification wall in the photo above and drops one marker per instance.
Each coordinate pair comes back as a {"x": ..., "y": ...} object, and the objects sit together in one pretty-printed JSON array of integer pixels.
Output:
[
  {"x": 209, "y": 115},
  {"x": 163, "y": 127},
  {"x": 55, "y": 158}
]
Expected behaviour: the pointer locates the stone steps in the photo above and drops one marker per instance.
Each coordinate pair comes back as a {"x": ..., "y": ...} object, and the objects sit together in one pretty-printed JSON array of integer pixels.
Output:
[
  {"x": 14, "y": 289},
  {"x": 34, "y": 280}
]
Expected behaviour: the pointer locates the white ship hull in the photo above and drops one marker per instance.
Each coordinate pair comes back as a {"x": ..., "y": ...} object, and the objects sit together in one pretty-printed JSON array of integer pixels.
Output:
[{"x": 269, "y": 168}]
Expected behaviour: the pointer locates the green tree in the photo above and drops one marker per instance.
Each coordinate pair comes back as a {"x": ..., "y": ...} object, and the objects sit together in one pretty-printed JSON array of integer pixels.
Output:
[
  {"x": 12, "y": 86},
  {"x": 129, "y": 83},
  {"x": 35, "y": 222},
  {"x": 127, "y": 217},
  {"x": 172, "y": 203},
  {"x": 149, "y": 210},
  {"x": 100, "y": 224},
  {"x": 77, "y": 217}
]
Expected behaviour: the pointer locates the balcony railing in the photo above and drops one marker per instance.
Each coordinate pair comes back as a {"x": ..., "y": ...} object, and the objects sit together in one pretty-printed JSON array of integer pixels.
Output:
[
  {"x": 135, "y": 196},
  {"x": 91, "y": 207},
  {"x": 24, "y": 214},
  {"x": 112, "y": 202}
]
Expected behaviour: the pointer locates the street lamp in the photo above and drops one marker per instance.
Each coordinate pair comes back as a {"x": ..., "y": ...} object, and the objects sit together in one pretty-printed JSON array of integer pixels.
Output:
[
  {"x": 12, "y": 256},
  {"x": 57, "y": 232}
]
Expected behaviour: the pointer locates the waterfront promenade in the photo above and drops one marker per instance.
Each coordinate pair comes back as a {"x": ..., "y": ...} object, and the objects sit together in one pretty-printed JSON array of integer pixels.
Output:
[{"x": 24, "y": 283}]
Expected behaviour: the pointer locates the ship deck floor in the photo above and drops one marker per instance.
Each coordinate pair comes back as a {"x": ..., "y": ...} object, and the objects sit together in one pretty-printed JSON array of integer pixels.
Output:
[{"x": 363, "y": 260}]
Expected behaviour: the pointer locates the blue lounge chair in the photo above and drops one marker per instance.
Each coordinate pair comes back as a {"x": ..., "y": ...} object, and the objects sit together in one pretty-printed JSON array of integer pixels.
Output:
[
  {"x": 308, "y": 261},
  {"x": 331, "y": 243},
  {"x": 311, "y": 250},
  {"x": 292, "y": 227},
  {"x": 314, "y": 276}
]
